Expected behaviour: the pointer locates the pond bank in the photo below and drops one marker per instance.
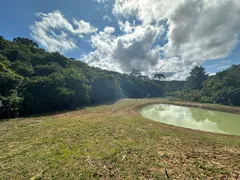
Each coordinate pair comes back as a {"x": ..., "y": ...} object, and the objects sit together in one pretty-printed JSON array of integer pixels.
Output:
[
  {"x": 193, "y": 118},
  {"x": 214, "y": 107}
]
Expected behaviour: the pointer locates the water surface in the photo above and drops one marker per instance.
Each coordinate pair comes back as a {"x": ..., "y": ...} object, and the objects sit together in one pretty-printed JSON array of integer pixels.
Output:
[{"x": 194, "y": 118}]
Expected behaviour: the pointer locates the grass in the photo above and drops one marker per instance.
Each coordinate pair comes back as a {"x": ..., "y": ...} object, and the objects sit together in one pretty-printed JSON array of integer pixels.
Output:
[{"x": 114, "y": 142}]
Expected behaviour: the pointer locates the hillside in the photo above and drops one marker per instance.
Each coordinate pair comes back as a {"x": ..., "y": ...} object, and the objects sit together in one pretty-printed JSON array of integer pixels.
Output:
[{"x": 33, "y": 81}]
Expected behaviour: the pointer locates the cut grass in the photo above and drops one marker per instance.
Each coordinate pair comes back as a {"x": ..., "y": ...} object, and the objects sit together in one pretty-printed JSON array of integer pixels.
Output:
[{"x": 114, "y": 142}]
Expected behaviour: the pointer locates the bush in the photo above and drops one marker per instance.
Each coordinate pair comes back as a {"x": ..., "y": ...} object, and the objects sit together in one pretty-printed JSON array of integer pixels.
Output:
[{"x": 193, "y": 96}]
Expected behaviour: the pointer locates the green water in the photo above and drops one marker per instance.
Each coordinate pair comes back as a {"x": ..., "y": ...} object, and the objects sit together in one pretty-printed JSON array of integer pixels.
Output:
[{"x": 194, "y": 118}]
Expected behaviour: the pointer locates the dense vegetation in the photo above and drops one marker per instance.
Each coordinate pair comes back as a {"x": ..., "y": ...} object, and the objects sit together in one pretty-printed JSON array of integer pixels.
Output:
[
  {"x": 222, "y": 88},
  {"x": 33, "y": 81}
]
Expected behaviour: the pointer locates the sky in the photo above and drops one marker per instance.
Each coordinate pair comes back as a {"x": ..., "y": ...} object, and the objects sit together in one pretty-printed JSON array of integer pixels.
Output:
[{"x": 153, "y": 36}]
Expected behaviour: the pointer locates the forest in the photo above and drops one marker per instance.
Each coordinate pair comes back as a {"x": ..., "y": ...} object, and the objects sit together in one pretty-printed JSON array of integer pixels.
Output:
[{"x": 33, "y": 81}]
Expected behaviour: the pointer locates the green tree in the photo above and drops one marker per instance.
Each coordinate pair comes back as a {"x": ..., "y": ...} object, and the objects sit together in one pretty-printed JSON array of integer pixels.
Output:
[
  {"x": 9, "y": 86},
  {"x": 224, "y": 87},
  {"x": 144, "y": 77},
  {"x": 25, "y": 41},
  {"x": 35, "y": 81},
  {"x": 10, "y": 104},
  {"x": 4, "y": 44},
  {"x": 22, "y": 68},
  {"x": 104, "y": 88},
  {"x": 9, "y": 80},
  {"x": 197, "y": 76},
  {"x": 159, "y": 77},
  {"x": 45, "y": 70},
  {"x": 135, "y": 73}
]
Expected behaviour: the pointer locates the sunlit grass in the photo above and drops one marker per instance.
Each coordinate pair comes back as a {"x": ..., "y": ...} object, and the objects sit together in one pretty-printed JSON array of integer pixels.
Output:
[{"x": 113, "y": 142}]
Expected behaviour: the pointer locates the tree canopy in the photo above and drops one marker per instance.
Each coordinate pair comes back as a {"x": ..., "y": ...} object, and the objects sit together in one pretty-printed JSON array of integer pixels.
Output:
[
  {"x": 159, "y": 77},
  {"x": 25, "y": 41},
  {"x": 222, "y": 88},
  {"x": 197, "y": 76},
  {"x": 35, "y": 81}
]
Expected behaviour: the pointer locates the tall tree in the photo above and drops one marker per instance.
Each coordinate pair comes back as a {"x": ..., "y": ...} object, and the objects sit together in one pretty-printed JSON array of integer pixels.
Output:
[
  {"x": 159, "y": 77},
  {"x": 224, "y": 87},
  {"x": 197, "y": 76},
  {"x": 144, "y": 77},
  {"x": 4, "y": 44},
  {"x": 35, "y": 81},
  {"x": 135, "y": 73},
  {"x": 25, "y": 41}
]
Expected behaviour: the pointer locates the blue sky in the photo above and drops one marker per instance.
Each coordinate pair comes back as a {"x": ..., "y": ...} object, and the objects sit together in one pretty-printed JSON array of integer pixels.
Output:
[
  {"x": 150, "y": 35},
  {"x": 23, "y": 15}
]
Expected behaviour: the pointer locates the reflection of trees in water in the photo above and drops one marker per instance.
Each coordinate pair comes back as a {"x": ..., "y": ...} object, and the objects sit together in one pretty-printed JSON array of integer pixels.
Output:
[
  {"x": 161, "y": 107},
  {"x": 225, "y": 122},
  {"x": 201, "y": 115}
]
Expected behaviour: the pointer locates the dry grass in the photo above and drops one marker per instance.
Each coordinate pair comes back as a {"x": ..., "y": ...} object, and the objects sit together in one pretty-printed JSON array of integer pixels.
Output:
[{"x": 114, "y": 142}]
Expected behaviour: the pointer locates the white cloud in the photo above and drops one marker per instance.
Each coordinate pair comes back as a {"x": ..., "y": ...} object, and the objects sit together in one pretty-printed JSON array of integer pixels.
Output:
[
  {"x": 126, "y": 27},
  {"x": 137, "y": 49},
  {"x": 213, "y": 66},
  {"x": 147, "y": 11},
  {"x": 165, "y": 36},
  {"x": 212, "y": 74},
  {"x": 224, "y": 67},
  {"x": 225, "y": 61},
  {"x": 196, "y": 37},
  {"x": 124, "y": 52},
  {"x": 102, "y": 1},
  {"x": 197, "y": 30},
  {"x": 109, "y": 30},
  {"x": 54, "y": 31},
  {"x": 82, "y": 27},
  {"x": 107, "y": 18}
]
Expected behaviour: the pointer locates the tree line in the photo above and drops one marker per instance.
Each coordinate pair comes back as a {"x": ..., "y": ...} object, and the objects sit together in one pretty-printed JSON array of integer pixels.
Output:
[
  {"x": 222, "y": 88},
  {"x": 33, "y": 81}
]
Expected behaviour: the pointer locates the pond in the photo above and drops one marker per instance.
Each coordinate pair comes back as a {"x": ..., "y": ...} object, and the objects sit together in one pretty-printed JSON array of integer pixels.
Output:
[{"x": 194, "y": 118}]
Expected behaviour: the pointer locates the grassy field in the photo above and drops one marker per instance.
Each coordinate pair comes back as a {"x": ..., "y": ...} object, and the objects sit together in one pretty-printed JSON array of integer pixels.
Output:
[{"x": 114, "y": 142}]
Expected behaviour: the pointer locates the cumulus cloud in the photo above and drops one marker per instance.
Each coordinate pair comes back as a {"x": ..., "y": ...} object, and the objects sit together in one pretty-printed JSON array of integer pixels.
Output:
[
  {"x": 147, "y": 11},
  {"x": 126, "y": 27},
  {"x": 136, "y": 49},
  {"x": 164, "y": 36},
  {"x": 197, "y": 30},
  {"x": 54, "y": 31},
  {"x": 124, "y": 52},
  {"x": 201, "y": 30}
]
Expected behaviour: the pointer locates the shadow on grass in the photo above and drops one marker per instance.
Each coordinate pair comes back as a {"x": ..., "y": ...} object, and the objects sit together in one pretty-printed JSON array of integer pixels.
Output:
[{"x": 52, "y": 113}]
